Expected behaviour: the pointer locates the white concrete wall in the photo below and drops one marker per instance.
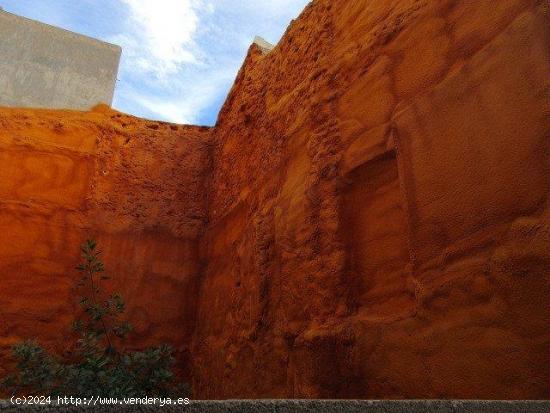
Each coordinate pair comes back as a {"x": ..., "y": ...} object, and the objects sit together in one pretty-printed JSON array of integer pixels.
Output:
[{"x": 47, "y": 67}]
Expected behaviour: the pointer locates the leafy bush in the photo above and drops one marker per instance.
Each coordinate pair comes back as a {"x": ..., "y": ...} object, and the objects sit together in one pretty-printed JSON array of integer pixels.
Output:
[{"x": 97, "y": 366}]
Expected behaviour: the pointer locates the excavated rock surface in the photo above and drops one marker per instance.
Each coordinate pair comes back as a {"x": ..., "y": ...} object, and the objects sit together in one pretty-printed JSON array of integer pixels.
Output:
[
  {"x": 368, "y": 219},
  {"x": 379, "y": 221},
  {"x": 135, "y": 186}
]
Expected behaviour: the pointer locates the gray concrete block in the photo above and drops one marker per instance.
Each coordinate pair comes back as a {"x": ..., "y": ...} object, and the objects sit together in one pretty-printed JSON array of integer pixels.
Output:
[
  {"x": 48, "y": 67},
  {"x": 263, "y": 44}
]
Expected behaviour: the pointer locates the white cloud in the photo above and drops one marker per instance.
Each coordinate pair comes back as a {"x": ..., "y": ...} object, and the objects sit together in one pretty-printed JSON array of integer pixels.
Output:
[
  {"x": 161, "y": 34},
  {"x": 180, "y": 56},
  {"x": 177, "y": 111},
  {"x": 190, "y": 94}
]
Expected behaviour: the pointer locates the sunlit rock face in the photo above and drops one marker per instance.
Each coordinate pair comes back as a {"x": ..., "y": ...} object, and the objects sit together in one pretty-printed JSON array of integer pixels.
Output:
[
  {"x": 378, "y": 208},
  {"x": 368, "y": 219},
  {"x": 135, "y": 186}
]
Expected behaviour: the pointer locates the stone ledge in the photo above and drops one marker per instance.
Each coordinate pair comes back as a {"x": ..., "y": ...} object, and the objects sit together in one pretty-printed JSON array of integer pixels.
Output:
[{"x": 306, "y": 406}]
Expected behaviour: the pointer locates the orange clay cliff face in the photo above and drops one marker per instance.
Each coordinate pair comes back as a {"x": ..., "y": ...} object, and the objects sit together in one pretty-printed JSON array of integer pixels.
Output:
[
  {"x": 369, "y": 218},
  {"x": 135, "y": 186}
]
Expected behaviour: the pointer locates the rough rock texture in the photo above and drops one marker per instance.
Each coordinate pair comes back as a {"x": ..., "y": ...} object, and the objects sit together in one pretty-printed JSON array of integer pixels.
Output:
[
  {"x": 136, "y": 186},
  {"x": 368, "y": 219},
  {"x": 379, "y": 222}
]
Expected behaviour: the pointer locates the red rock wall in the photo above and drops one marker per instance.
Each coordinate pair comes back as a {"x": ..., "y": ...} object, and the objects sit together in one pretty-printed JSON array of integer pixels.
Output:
[
  {"x": 379, "y": 208},
  {"x": 137, "y": 187},
  {"x": 368, "y": 218}
]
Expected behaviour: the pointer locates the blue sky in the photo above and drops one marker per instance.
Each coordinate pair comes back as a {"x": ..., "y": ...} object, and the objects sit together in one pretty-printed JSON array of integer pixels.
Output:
[{"x": 180, "y": 57}]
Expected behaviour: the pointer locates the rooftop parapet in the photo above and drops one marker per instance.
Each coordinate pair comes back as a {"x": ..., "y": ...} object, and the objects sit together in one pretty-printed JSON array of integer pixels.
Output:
[{"x": 263, "y": 44}]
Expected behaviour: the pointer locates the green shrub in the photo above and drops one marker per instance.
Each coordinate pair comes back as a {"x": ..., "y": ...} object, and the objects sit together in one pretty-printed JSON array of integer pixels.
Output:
[{"x": 98, "y": 366}]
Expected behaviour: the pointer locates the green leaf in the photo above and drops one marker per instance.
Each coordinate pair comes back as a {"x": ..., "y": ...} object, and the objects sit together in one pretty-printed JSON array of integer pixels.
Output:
[{"x": 95, "y": 366}]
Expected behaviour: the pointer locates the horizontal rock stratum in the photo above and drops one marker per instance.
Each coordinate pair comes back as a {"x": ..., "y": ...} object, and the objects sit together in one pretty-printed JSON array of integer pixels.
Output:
[{"x": 369, "y": 217}]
